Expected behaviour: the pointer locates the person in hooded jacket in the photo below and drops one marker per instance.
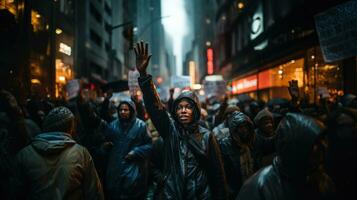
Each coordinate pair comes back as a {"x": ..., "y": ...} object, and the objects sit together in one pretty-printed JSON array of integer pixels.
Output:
[
  {"x": 54, "y": 166},
  {"x": 192, "y": 167},
  {"x": 296, "y": 172},
  {"x": 222, "y": 131},
  {"x": 264, "y": 123},
  {"x": 127, "y": 168},
  {"x": 127, "y": 172},
  {"x": 241, "y": 151}
]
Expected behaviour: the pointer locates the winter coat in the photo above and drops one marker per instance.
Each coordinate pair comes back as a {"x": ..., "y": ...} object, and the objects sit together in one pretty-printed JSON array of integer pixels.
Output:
[
  {"x": 192, "y": 162},
  {"x": 127, "y": 179},
  {"x": 286, "y": 177},
  {"x": 232, "y": 153},
  {"x": 53, "y": 166}
]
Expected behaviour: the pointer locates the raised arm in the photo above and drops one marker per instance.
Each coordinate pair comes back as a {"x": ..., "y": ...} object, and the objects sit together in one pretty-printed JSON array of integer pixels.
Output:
[{"x": 153, "y": 105}]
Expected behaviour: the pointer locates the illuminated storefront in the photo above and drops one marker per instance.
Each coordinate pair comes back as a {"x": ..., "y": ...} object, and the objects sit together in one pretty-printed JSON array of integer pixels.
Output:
[{"x": 311, "y": 72}]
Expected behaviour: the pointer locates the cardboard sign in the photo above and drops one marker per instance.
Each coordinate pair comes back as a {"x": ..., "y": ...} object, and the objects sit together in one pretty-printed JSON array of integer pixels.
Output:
[
  {"x": 133, "y": 82},
  {"x": 337, "y": 31},
  {"x": 72, "y": 88}
]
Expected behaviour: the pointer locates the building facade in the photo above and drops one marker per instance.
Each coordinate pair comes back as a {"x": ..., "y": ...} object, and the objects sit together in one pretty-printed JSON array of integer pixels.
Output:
[{"x": 261, "y": 45}]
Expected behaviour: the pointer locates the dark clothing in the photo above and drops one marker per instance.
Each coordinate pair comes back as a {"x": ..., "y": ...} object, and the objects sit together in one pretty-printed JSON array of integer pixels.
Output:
[
  {"x": 53, "y": 166},
  {"x": 127, "y": 179},
  {"x": 286, "y": 178},
  {"x": 231, "y": 153},
  {"x": 221, "y": 131},
  {"x": 192, "y": 162}
]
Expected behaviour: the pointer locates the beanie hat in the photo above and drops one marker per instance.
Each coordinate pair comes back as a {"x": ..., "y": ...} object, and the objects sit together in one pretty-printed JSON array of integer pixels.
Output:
[{"x": 58, "y": 119}]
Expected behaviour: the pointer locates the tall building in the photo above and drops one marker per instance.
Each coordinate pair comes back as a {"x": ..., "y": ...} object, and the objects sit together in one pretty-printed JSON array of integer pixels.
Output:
[
  {"x": 201, "y": 17},
  {"x": 261, "y": 45},
  {"x": 40, "y": 60},
  {"x": 93, "y": 20}
]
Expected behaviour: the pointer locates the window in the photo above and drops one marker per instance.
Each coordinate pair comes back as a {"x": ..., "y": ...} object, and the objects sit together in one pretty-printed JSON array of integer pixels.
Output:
[
  {"x": 107, "y": 9},
  {"x": 107, "y": 47},
  {"x": 107, "y": 27},
  {"x": 94, "y": 37},
  {"x": 95, "y": 13}
]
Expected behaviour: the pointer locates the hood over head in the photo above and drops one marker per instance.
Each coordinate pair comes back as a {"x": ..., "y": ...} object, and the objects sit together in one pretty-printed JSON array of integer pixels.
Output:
[
  {"x": 262, "y": 114},
  {"x": 131, "y": 105},
  {"x": 192, "y": 98},
  {"x": 52, "y": 142},
  {"x": 237, "y": 118},
  {"x": 296, "y": 135}
]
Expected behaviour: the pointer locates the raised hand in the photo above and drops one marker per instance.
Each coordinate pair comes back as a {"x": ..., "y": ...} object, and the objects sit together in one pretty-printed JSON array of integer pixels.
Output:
[{"x": 142, "y": 57}]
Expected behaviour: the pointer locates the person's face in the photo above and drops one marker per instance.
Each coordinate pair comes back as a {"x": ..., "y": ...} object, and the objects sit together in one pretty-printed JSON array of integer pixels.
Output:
[
  {"x": 266, "y": 125},
  {"x": 242, "y": 131},
  {"x": 184, "y": 112},
  {"x": 124, "y": 111}
]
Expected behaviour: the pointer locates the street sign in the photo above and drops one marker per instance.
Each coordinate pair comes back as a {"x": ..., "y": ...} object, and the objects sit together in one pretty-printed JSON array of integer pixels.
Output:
[{"x": 337, "y": 31}]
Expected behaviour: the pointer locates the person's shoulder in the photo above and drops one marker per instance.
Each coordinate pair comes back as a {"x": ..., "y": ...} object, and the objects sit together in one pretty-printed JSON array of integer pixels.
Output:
[{"x": 256, "y": 187}]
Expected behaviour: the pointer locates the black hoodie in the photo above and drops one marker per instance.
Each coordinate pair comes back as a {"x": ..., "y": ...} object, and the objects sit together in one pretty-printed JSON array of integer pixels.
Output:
[{"x": 286, "y": 177}]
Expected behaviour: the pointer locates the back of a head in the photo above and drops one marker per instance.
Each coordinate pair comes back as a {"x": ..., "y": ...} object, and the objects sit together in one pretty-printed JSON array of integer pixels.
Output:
[
  {"x": 296, "y": 135},
  {"x": 59, "y": 119}
]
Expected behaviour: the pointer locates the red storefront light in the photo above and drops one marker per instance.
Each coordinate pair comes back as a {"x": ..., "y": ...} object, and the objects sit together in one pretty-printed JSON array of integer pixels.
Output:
[{"x": 209, "y": 61}]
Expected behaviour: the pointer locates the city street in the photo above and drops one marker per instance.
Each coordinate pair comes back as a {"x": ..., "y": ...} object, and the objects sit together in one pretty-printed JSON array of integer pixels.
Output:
[{"x": 178, "y": 99}]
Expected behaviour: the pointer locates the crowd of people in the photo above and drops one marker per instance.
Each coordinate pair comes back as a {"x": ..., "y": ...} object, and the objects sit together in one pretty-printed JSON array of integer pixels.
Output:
[{"x": 179, "y": 149}]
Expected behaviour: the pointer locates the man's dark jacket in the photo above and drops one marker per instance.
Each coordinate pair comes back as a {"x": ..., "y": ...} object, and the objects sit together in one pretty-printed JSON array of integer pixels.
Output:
[{"x": 192, "y": 162}]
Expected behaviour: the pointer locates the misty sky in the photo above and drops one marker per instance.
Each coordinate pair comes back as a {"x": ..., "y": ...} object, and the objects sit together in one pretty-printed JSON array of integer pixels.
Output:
[{"x": 176, "y": 27}]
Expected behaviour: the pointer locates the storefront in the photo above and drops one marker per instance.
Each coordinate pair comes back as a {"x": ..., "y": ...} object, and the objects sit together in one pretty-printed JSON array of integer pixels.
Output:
[{"x": 315, "y": 78}]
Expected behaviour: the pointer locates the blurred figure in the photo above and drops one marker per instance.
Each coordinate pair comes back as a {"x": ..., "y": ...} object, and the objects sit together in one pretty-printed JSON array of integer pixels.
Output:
[
  {"x": 296, "y": 172},
  {"x": 221, "y": 131},
  {"x": 203, "y": 121},
  {"x": 265, "y": 123},
  {"x": 341, "y": 154},
  {"x": 13, "y": 137},
  {"x": 54, "y": 166},
  {"x": 242, "y": 151}
]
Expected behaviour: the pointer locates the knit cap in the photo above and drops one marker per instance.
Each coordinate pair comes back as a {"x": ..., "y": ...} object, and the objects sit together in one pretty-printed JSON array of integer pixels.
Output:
[{"x": 57, "y": 119}]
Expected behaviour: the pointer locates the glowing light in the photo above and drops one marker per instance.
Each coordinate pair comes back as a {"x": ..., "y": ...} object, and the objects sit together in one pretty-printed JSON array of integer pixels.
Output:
[
  {"x": 240, "y": 5},
  {"x": 62, "y": 78},
  {"x": 65, "y": 49},
  {"x": 209, "y": 61},
  {"x": 35, "y": 81},
  {"x": 192, "y": 68},
  {"x": 58, "y": 31}
]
